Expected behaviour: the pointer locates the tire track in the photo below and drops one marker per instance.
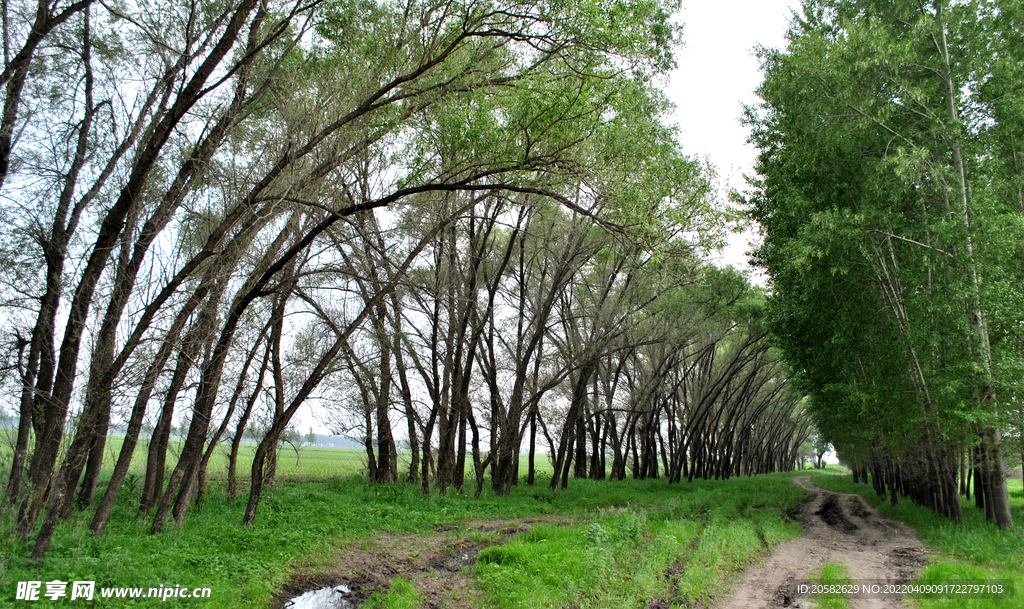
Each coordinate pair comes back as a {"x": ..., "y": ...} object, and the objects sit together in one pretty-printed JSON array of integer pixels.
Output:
[{"x": 838, "y": 528}]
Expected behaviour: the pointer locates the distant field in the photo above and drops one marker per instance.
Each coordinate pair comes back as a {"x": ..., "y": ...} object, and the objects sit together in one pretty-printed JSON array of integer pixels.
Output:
[{"x": 313, "y": 463}]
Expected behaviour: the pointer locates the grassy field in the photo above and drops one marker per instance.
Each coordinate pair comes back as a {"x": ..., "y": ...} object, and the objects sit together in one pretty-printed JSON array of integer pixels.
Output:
[
  {"x": 677, "y": 545},
  {"x": 974, "y": 549},
  {"x": 314, "y": 462},
  {"x": 598, "y": 544},
  {"x": 607, "y": 544}
]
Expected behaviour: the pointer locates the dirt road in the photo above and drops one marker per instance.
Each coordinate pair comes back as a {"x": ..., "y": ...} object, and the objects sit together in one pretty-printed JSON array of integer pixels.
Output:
[{"x": 838, "y": 528}]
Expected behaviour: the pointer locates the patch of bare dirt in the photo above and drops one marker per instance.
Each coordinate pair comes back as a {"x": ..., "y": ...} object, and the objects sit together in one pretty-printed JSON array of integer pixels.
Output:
[
  {"x": 435, "y": 564},
  {"x": 831, "y": 511},
  {"x": 838, "y": 528}
]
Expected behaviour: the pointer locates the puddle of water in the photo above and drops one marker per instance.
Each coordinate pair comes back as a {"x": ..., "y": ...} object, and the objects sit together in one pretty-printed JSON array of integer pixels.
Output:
[{"x": 333, "y": 597}]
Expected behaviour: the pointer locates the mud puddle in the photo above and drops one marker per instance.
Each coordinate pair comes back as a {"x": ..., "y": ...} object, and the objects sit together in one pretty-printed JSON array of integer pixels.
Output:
[
  {"x": 838, "y": 528},
  {"x": 330, "y": 597}
]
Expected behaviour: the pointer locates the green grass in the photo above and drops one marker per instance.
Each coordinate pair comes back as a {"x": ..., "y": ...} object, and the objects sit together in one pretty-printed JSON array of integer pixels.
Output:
[
  {"x": 680, "y": 549},
  {"x": 831, "y": 574},
  {"x": 401, "y": 595},
  {"x": 974, "y": 549},
  {"x": 654, "y": 534}
]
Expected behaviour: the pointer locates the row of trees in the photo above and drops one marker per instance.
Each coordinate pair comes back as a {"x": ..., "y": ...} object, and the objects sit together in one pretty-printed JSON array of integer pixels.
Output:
[
  {"x": 565, "y": 330},
  {"x": 458, "y": 221},
  {"x": 890, "y": 197}
]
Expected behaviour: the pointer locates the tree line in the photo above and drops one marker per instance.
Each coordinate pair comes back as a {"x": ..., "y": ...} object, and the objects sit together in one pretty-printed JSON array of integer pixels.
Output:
[
  {"x": 889, "y": 192},
  {"x": 464, "y": 225}
]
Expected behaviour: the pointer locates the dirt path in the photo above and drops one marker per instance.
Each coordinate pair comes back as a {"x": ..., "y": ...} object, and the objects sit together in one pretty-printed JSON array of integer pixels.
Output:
[
  {"x": 838, "y": 528},
  {"x": 435, "y": 563}
]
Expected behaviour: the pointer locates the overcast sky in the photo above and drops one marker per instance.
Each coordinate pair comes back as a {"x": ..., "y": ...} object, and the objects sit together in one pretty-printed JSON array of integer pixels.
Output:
[{"x": 717, "y": 74}]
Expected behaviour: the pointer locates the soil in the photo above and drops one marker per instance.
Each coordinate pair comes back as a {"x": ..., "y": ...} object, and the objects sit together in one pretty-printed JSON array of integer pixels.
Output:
[
  {"x": 436, "y": 564},
  {"x": 838, "y": 528}
]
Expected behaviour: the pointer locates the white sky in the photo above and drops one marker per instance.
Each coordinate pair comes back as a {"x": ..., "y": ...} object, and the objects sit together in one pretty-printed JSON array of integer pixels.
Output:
[{"x": 717, "y": 74}]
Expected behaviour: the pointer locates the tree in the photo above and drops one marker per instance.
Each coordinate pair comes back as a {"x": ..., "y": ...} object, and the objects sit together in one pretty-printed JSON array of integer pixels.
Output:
[
  {"x": 874, "y": 197},
  {"x": 236, "y": 168},
  {"x": 293, "y": 437},
  {"x": 821, "y": 447}
]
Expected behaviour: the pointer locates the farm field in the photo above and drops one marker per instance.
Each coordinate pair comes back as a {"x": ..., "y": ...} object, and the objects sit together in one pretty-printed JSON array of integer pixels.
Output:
[{"x": 314, "y": 462}]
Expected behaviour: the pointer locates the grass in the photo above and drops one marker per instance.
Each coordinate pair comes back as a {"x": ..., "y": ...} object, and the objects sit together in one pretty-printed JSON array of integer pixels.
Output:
[
  {"x": 634, "y": 539},
  {"x": 831, "y": 574},
  {"x": 632, "y": 542},
  {"x": 679, "y": 549},
  {"x": 973, "y": 549},
  {"x": 299, "y": 523},
  {"x": 401, "y": 595}
]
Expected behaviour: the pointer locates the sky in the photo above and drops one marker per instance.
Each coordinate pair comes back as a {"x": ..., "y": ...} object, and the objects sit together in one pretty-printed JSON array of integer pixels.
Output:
[{"x": 717, "y": 74}]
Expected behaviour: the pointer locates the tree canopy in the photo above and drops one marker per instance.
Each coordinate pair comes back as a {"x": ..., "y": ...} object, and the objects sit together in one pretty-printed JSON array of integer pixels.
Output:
[
  {"x": 456, "y": 226},
  {"x": 888, "y": 193}
]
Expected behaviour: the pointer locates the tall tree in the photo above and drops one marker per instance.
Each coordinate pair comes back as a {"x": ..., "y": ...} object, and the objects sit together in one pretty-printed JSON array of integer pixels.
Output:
[{"x": 873, "y": 195}]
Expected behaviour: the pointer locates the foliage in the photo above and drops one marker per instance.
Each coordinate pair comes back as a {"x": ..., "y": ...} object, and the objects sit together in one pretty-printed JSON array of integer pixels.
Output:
[{"x": 881, "y": 192}]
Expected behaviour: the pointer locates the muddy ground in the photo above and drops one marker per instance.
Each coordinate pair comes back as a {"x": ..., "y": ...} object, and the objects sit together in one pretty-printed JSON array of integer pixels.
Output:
[
  {"x": 838, "y": 528},
  {"x": 436, "y": 564}
]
